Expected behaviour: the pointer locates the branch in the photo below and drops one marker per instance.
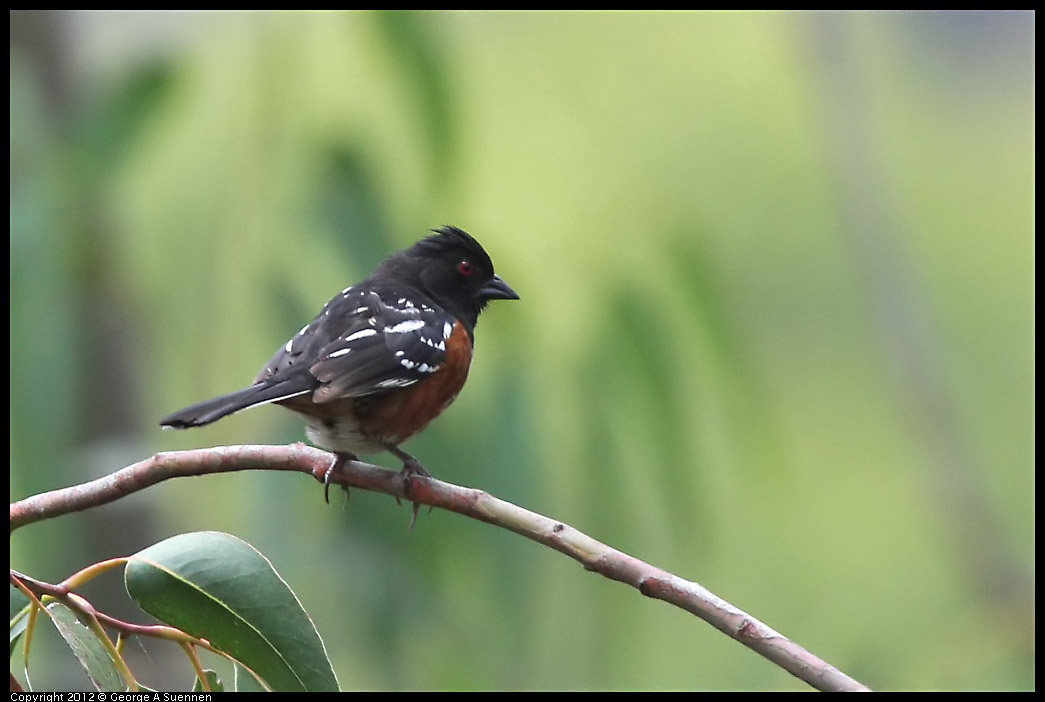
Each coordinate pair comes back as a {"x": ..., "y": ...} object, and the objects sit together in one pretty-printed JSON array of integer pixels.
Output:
[{"x": 477, "y": 504}]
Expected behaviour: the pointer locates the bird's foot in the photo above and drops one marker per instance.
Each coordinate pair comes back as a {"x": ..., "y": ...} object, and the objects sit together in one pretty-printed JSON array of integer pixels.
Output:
[
  {"x": 334, "y": 468},
  {"x": 411, "y": 467}
]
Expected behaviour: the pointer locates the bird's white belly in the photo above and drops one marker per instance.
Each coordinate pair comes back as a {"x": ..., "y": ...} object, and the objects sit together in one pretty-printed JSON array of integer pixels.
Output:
[{"x": 341, "y": 435}]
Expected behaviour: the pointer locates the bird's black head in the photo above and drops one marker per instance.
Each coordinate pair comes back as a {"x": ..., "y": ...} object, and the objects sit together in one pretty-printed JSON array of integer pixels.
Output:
[{"x": 451, "y": 268}]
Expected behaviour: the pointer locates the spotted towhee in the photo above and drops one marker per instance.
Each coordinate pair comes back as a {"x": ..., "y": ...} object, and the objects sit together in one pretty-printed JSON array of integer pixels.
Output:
[{"x": 383, "y": 358}]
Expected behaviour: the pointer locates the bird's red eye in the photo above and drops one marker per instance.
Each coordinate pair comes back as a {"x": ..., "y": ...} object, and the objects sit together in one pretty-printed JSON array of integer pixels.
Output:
[{"x": 465, "y": 267}]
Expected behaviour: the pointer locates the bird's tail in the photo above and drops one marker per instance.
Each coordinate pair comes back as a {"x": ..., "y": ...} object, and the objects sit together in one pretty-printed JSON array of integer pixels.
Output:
[{"x": 214, "y": 409}]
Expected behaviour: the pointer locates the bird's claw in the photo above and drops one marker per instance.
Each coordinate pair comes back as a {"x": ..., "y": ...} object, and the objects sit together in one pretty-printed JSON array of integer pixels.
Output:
[
  {"x": 336, "y": 467},
  {"x": 412, "y": 467}
]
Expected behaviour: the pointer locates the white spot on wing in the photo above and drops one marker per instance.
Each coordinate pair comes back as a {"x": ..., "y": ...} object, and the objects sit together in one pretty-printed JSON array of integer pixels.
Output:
[
  {"x": 404, "y": 327},
  {"x": 448, "y": 329},
  {"x": 362, "y": 333},
  {"x": 339, "y": 352}
]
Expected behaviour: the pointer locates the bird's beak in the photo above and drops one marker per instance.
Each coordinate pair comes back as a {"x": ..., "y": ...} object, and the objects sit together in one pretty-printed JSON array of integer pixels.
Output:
[{"x": 497, "y": 289}]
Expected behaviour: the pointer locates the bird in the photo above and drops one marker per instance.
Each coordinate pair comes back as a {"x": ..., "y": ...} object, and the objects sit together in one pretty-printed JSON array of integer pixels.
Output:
[{"x": 382, "y": 359}]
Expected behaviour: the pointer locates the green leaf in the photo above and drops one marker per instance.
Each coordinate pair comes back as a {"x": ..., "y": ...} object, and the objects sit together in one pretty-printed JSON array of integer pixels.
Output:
[
  {"x": 19, "y": 615},
  {"x": 87, "y": 648},
  {"x": 220, "y": 588},
  {"x": 243, "y": 681},
  {"x": 18, "y": 601},
  {"x": 212, "y": 682}
]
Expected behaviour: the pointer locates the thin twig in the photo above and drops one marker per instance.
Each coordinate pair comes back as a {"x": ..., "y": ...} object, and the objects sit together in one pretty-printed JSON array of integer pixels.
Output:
[
  {"x": 35, "y": 589},
  {"x": 594, "y": 555}
]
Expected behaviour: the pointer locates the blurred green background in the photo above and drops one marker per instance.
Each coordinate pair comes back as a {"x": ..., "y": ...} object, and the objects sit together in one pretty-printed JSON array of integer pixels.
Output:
[{"x": 776, "y": 332}]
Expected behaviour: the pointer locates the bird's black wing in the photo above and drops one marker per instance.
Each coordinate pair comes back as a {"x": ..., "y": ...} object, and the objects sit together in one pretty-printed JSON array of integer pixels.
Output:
[{"x": 364, "y": 342}]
